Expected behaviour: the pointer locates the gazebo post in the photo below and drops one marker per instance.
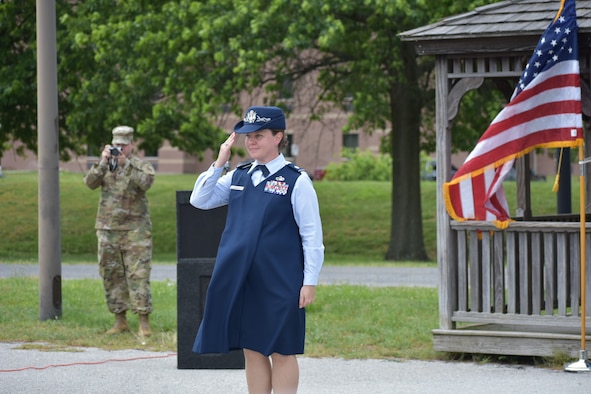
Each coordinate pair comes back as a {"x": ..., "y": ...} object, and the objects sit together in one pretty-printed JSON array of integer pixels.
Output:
[{"x": 444, "y": 242}]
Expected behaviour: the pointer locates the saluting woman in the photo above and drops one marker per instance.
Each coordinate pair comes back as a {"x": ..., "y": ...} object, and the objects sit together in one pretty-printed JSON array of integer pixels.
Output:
[{"x": 269, "y": 258}]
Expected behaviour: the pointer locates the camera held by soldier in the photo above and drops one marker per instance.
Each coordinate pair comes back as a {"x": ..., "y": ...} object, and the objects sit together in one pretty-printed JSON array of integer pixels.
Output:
[
  {"x": 113, "y": 161},
  {"x": 115, "y": 150}
]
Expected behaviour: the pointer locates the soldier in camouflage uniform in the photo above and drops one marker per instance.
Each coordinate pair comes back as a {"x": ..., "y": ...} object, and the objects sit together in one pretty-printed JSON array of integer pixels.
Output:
[{"x": 124, "y": 230}]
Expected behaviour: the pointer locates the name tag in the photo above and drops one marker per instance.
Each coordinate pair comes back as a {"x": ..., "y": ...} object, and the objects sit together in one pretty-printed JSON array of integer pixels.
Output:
[{"x": 236, "y": 187}]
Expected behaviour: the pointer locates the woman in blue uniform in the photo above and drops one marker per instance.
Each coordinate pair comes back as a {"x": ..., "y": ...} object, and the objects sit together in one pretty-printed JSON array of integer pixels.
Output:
[{"x": 269, "y": 257}]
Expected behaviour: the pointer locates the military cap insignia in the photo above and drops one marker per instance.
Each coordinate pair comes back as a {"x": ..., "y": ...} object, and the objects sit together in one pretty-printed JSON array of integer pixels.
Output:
[{"x": 252, "y": 117}]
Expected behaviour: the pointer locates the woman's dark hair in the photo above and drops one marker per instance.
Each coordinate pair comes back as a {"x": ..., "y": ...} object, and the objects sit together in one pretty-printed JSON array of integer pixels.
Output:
[{"x": 283, "y": 143}]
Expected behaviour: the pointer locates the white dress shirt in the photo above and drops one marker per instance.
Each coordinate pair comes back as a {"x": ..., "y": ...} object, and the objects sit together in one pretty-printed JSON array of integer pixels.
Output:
[{"x": 212, "y": 190}]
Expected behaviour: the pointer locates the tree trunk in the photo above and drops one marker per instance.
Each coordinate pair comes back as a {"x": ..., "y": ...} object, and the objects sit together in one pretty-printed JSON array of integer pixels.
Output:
[{"x": 406, "y": 229}]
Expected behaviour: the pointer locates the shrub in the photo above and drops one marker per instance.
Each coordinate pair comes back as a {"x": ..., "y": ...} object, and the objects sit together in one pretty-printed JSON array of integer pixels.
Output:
[{"x": 360, "y": 166}]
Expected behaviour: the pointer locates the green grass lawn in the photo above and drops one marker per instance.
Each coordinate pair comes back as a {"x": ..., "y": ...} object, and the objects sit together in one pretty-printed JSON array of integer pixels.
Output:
[
  {"x": 355, "y": 216},
  {"x": 345, "y": 321}
]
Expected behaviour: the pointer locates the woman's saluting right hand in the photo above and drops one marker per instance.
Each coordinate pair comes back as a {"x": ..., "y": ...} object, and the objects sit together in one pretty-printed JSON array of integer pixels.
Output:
[{"x": 225, "y": 151}]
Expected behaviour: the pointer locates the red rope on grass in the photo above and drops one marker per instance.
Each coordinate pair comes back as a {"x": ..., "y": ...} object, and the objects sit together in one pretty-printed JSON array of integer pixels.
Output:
[{"x": 89, "y": 363}]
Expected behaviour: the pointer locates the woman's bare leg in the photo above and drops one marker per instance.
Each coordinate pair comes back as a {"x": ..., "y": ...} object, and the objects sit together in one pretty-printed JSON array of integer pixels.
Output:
[
  {"x": 286, "y": 374},
  {"x": 258, "y": 372}
]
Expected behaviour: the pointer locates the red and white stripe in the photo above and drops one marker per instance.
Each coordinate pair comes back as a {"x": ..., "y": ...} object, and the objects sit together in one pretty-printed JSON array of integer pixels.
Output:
[{"x": 546, "y": 114}]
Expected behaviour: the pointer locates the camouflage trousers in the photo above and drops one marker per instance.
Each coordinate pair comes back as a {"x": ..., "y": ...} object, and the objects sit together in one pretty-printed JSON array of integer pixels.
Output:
[{"x": 125, "y": 262}]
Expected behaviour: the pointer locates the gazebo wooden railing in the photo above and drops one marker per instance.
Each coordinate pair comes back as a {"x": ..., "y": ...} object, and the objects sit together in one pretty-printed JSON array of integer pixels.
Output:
[{"x": 515, "y": 291}]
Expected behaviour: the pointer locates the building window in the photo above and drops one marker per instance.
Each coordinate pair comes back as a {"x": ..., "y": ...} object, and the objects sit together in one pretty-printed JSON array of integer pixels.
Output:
[
  {"x": 151, "y": 153},
  {"x": 93, "y": 150},
  {"x": 348, "y": 103},
  {"x": 291, "y": 150},
  {"x": 287, "y": 89},
  {"x": 285, "y": 95},
  {"x": 351, "y": 141}
]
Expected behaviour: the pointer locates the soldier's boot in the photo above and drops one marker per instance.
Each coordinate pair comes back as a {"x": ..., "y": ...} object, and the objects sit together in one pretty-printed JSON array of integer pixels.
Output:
[
  {"x": 145, "y": 326},
  {"x": 120, "y": 324}
]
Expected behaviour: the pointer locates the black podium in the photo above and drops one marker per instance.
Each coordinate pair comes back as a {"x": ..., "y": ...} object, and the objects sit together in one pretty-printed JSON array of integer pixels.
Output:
[{"x": 198, "y": 237}]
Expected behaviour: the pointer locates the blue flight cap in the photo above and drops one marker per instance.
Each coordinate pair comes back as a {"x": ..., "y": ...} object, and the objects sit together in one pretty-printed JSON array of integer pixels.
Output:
[{"x": 261, "y": 118}]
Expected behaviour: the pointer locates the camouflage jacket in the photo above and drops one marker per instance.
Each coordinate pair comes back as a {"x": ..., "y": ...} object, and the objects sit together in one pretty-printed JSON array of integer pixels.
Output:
[{"x": 123, "y": 204}]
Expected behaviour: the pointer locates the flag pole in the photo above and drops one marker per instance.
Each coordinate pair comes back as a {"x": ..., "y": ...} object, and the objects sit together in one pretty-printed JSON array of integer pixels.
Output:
[{"x": 582, "y": 365}]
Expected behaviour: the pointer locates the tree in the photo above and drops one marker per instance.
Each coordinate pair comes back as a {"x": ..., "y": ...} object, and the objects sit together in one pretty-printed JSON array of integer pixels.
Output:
[
  {"x": 173, "y": 67},
  {"x": 116, "y": 65},
  {"x": 18, "y": 81},
  {"x": 354, "y": 48}
]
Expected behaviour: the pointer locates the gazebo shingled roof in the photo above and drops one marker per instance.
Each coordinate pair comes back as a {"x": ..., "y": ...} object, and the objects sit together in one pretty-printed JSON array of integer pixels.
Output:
[{"x": 500, "y": 27}]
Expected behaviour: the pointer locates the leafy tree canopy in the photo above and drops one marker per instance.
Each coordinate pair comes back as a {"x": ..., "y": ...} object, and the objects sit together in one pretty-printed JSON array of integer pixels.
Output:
[{"x": 172, "y": 68}]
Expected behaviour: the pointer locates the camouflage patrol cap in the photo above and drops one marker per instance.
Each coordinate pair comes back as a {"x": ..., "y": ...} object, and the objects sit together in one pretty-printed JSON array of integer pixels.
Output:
[{"x": 122, "y": 135}]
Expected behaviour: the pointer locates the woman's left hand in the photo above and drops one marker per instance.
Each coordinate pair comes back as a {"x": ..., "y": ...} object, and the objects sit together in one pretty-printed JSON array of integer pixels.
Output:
[{"x": 307, "y": 295}]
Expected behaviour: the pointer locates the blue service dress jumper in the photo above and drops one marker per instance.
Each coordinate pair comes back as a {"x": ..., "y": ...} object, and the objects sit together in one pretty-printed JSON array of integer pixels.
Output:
[{"x": 253, "y": 297}]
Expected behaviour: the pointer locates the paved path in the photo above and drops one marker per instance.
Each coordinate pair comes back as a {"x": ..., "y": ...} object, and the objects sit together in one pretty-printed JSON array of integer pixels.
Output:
[
  {"x": 367, "y": 276},
  {"x": 91, "y": 370}
]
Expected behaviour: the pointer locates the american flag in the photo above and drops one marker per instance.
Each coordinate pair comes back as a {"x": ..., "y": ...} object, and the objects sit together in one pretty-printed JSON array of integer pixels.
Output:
[{"x": 544, "y": 112}]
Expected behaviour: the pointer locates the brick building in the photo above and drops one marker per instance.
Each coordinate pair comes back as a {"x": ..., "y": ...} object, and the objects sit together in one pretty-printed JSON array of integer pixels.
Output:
[{"x": 313, "y": 143}]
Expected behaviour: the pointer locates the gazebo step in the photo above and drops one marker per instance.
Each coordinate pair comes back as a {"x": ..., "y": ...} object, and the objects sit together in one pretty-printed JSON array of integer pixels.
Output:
[{"x": 495, "y": 339}]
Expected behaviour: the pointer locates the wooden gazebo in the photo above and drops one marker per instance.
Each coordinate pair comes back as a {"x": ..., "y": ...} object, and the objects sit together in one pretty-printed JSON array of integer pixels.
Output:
[{"x": 513, "y": 291}]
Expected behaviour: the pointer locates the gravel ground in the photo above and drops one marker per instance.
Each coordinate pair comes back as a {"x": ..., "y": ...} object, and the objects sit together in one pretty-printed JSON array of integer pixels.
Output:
[{"x": 90, "y": 370}]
